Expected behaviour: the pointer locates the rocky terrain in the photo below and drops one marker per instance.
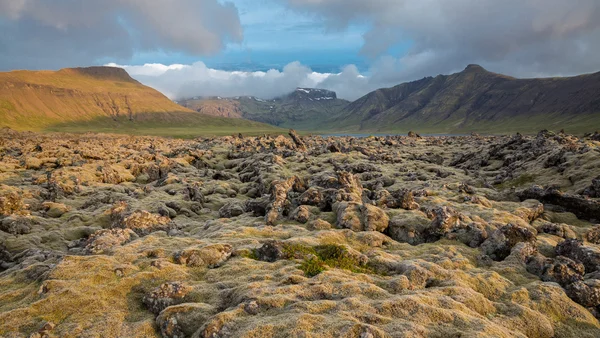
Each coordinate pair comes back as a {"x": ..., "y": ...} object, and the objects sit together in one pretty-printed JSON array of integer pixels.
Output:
[{"x": 398, "y": 236}]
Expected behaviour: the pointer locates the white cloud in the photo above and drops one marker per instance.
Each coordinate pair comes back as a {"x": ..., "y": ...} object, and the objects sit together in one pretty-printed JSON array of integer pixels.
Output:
[
  {"x": 184, "y": 81},
  {"x": 63, "y": 33},
  {"x": 517, "y": 37}
]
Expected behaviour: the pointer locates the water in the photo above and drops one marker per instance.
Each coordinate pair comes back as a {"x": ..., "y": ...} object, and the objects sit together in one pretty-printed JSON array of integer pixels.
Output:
[{"x": 404, "y": 134}]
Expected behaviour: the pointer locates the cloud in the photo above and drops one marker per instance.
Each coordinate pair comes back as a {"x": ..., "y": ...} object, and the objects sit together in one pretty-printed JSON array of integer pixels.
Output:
[
  {"x": 60, "y": 33},
  {"x": 184, "y": 81},
  {"x": 517, "y": 37}
]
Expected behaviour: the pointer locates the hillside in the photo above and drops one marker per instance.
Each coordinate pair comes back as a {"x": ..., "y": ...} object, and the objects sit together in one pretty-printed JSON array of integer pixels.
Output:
[
  {"x": 303, "y": 109},
  {"x": 478, "y": 100},
  {"x": 100, "y": 99}
]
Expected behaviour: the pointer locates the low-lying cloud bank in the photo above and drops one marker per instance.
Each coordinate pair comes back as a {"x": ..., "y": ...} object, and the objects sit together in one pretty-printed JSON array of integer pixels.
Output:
[{"x": 184, "y": 81}]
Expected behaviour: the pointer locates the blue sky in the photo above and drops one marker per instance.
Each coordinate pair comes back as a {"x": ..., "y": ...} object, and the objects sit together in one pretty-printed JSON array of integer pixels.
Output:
[{"x": 274, "y": 36}]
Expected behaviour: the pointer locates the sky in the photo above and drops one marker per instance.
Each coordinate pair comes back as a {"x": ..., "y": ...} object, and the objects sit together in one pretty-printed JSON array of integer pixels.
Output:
[{"x": 267, "y": 48}]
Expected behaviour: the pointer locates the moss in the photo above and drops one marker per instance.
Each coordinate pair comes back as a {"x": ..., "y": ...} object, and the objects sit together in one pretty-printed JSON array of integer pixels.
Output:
[
  {"x": 297, "y": 251},
  {"x": 518, "y": 182},
  {"x": 329, "y": 255},
  {"x": 312, "y": 266}
]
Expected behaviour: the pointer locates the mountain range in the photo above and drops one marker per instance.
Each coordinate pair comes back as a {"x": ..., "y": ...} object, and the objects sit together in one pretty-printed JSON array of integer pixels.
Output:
[
  {"x": 474, "y": 100},
  {"x": 303, "y": 109},
  {"x": 478, "y": 100}
]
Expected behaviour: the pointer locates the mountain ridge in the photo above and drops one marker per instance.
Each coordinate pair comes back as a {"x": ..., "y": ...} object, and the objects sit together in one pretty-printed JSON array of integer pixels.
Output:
[{"x": 474, "y": 100}]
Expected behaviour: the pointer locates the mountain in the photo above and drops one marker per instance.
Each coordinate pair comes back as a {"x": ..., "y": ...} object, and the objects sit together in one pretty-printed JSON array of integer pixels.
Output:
[
  {"x": 303, "y": 109},
  {"x": 100, "y": 99},
  {"x": 477, "y": 100}
]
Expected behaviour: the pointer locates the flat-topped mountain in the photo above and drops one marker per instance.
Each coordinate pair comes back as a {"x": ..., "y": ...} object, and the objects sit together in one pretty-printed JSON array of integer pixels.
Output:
[
  {"x": 478, "y": 100},
  {"x": 304, "y": 108},
  {"x": 89, "y": 99}
]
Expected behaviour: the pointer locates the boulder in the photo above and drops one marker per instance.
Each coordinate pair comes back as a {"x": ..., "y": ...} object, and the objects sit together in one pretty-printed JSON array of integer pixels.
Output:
[
  {"x": 168, "y": 294},
  {"x": 211, "y": 256},
  {"x": 183, "y": 320},
  {"x": 501, "y": 241},
  {"x": 231, "y": 209}
]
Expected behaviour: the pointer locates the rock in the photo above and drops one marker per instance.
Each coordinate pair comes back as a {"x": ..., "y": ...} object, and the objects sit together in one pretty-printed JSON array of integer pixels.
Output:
[
  {"x": 398, "y": 199},
  {"x": 351, "y": 186},
  {"x": 165, "y": 211},
  {"x": 16, "y": 225},
  {"x": 472, "y": 234},
  {"x": 10, "y": 203},
  {"x": 211, "y": 256},
  {"x": 271, "y": 251},
  {"x": 258, "y": 206},
  {"x": 593, "y": 235},
  {"x": 560, "y": 230},
  {"x": 301, "y": 214},
  {"x": 586, "y": 293},
  {"x": 168, "y": 294},
  {"x": 319, "y": 224},
  {"x": 580, "y": 206},
  {"x": 593, "y": 190},
  {"x": 55, "y": 210},
  {"x": 193, "y": 193},
  {"x": 575, "y": 250},
  {"x": 104, "y": 241},
  {"x": 361, "y": 217},
  {"x": 409, "y": 227},
  {"x": 501, "y": 241},
  {"x": 531, "y": 211},
  {"x": 563, "y": 271},
  {"x": 313, "y": 197},
  {"x": 297, "y": 140},
  {"x": 231, "y": 209},
  {"x": 143, "y": 223},
  {"x": 184, "y": 319},
  {"x": 481, "y": 201},
  {"x": 279, "y": 192},
  {"x": 412, "y": 134},
  {"x": 445, "y": 219},
  {"x": 33, "y": 163}
]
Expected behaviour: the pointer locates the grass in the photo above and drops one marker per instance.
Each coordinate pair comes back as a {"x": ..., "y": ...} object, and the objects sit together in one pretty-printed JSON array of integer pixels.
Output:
[
  {"x": 520, "y": 181},
  {"x": 320, "y": 258},
  {"x": 105, "y": 100},
  {"x": 178, "y": 125}
]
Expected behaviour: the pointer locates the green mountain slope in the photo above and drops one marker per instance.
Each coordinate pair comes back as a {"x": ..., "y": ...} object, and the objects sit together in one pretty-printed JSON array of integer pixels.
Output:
[
  {"x": 102, "y": 99},
  {"x": 477, "y": 100}
]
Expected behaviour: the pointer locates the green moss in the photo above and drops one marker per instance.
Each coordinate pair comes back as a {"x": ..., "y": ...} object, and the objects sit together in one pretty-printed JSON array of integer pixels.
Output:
[
  {"x": 312, "y": 266},
  {"x": 329, "y": 255},
  {"x": 520, "y": 181},
  {"x": 297, "y": 251}
]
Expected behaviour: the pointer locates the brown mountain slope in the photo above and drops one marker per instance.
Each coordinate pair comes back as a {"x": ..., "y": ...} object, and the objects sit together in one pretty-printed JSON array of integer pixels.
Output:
[
  {"x": 99, "y": 99},
  {"x": 478, "y": 100},
  {"x": 215, "y": 107}
]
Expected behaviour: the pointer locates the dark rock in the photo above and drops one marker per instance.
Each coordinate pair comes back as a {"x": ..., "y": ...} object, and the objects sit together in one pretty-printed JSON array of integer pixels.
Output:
[
  {"x": 271, "y": 251},
  {"x": 231, "y": 209},
  {"x": 580, "y": 206},
  {"x": 498, "y": 246},
  {"x": 575, "y": 250},
  {"x": 586, "y": 293}
]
